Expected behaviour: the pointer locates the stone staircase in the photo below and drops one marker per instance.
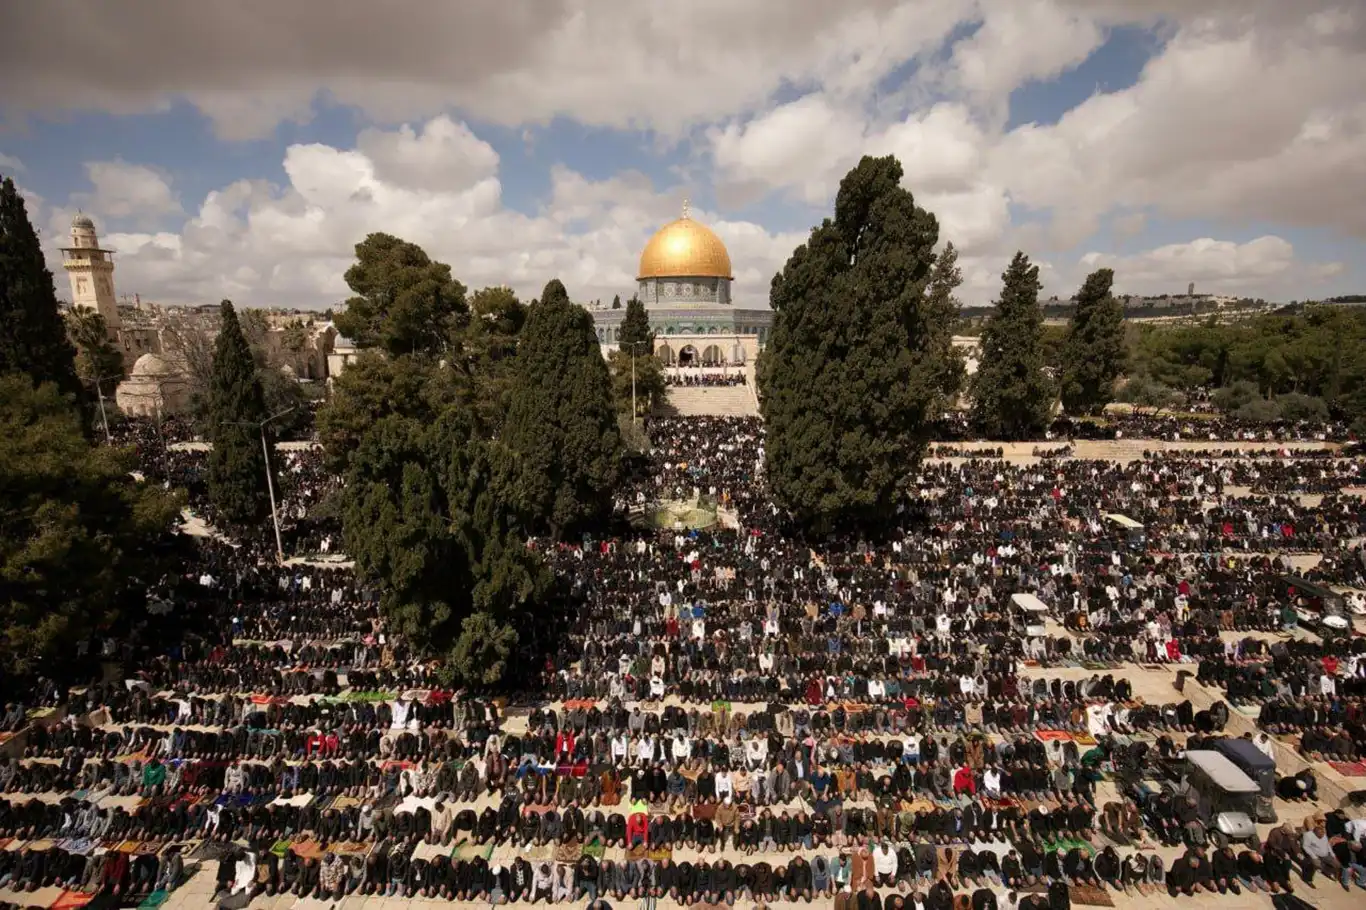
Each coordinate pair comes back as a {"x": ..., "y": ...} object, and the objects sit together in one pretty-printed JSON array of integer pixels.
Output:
[{"x": 718, "y": 401}]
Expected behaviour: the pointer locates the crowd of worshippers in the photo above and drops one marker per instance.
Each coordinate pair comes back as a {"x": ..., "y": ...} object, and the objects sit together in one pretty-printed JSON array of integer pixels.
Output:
[
  {"x": 686, "y": 378},
  {"x": 849, "y": 716},
  {"x": 1309, "y": 692},
  {"x": 1166, "y": 427}
]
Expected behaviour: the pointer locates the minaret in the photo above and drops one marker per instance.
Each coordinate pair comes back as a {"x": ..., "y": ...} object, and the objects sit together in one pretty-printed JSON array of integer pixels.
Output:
[{"x": 91, "y": 271}]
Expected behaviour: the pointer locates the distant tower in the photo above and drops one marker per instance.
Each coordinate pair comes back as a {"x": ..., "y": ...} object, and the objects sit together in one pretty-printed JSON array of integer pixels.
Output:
[
  {"x": 1190, "y": 289},
  {"x": 91, "y": 271}
]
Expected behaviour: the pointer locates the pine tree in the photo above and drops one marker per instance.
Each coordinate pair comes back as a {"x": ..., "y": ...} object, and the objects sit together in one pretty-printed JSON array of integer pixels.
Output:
[
  {"x": 561, "y": 429},
  {"x": 855, "y": 364},
  {"x": 635, "y": 328},
  {"x": 78, "y": 535},
  {"x": 1012, "y": 397},
  {"x": 236, "y": 408},
  {"x": 33, "y": 338},
  {"x": 942, "y": 309},
  {"x": 403, "y": 301},
  {"x": 1094, "y": 352},
  {"x": 616, "y": 301}
]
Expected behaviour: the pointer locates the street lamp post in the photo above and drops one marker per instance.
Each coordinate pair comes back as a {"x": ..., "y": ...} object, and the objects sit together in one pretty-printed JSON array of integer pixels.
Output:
[
  {"x": 635, "y": 413},
  {"x": 104, "y": 418},
  {"x": 270, "y": 480},
  {"x": 270, "y": 486}
]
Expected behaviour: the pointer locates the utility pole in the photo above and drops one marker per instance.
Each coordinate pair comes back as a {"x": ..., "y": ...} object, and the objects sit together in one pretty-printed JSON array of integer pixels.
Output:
[
  {"x": 270, "y": 486},
  {"x": 635, "y": 412},
  {"x": 104, "y": 418}
]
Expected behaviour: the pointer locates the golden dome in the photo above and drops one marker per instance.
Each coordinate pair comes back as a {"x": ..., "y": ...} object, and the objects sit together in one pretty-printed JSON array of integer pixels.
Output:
[{"x": 685, "y": 249}]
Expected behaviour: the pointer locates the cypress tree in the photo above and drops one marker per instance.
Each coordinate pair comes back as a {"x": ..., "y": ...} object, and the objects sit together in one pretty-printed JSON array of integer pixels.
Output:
[
  {"x": 854, "y": 367},
  {"x": 1094, "y": 352},
  {"x": 1012, "y": 396},
  {"x": 635, "y": 328},
  {"x": 236, "y": 407},
  {"x": 33, "y": 338},
  {"x": 561, "y": 429}
]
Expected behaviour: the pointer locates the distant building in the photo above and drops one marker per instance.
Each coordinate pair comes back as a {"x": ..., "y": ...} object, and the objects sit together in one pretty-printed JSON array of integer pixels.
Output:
[
  {"x": 685, "y": 281},
  {"x": 90, "y": 268},
  {"x": 159, "y": 342}
]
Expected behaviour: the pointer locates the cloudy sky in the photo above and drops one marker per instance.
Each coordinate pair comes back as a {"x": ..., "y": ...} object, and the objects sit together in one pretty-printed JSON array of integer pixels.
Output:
[{"x": 241, "y": 149}]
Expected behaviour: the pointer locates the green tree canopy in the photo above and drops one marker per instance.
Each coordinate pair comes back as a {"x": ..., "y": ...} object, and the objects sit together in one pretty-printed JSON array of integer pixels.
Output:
[
  {"x": 942, "y": 307},
  {"x": 79, "y": 538},
  {"x": 236, "y": 408},
  {"x": 635, "y": 328},
  {"x": 856, "y": 364},
  {"x": 1318, "y": 351},
  {"x": 375, "y": 387},
  {"x": 490, "y": 346},
  {"x": 1012, "y": 398},
  {"x": 1094, "y": 354},
  {"x": 422, "y": 518},
  {"x": 402, "y": 302},
  {"x": 33, "y": 340},
  {"x": 561, "y": 428},
  {"x": 498, "y": 311}
]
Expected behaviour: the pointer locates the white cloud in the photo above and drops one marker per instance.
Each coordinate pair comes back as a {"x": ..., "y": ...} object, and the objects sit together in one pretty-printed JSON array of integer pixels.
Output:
[
  {"x": 1215, "y": 266},
  {"x": 1020, "y": 41},
  {"x": 807, "y": 145},
  {"x": 1248, "y": 111},
  {"x": 10, "y": 165},
  {"x": 620, "y": 63},
  {"x": 263, "y": 245},
  {"x": 1185, "y": 141},
  {"x": 446, "y": 155},
  {"x": 125, "y": 190}
]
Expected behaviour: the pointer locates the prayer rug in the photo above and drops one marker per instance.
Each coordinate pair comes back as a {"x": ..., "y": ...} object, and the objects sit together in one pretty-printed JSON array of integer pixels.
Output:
[
  {"x": 661, "y": 853},
  {"x": 70, "y": 900},
  {"x": 1083, "y": 739},
  {"x": 426, "y": 851},
  {"x": 571, "y": 852},
  {"x": 280, "y": 848},
  {"x": 154, "y": 900},
  {"x": 306, "y": 849},
  {"x": 1087, "y": 896},
  {"x": 1349, "y": 768},
  {"x": 212, "y": 850},
  {"x": 1050, "y": 736}
]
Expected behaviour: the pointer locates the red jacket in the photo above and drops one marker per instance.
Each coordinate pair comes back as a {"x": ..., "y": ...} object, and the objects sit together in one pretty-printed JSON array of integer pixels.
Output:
[
  {"x": 638, "y": 825},
  {"x": 963, "y": 781}
]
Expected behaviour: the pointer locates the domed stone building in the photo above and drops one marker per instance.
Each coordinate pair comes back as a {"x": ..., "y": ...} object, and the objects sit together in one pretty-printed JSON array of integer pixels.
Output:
[
  {"x": 685, "y": 281},
  {"x": 157, "y": 386}
]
